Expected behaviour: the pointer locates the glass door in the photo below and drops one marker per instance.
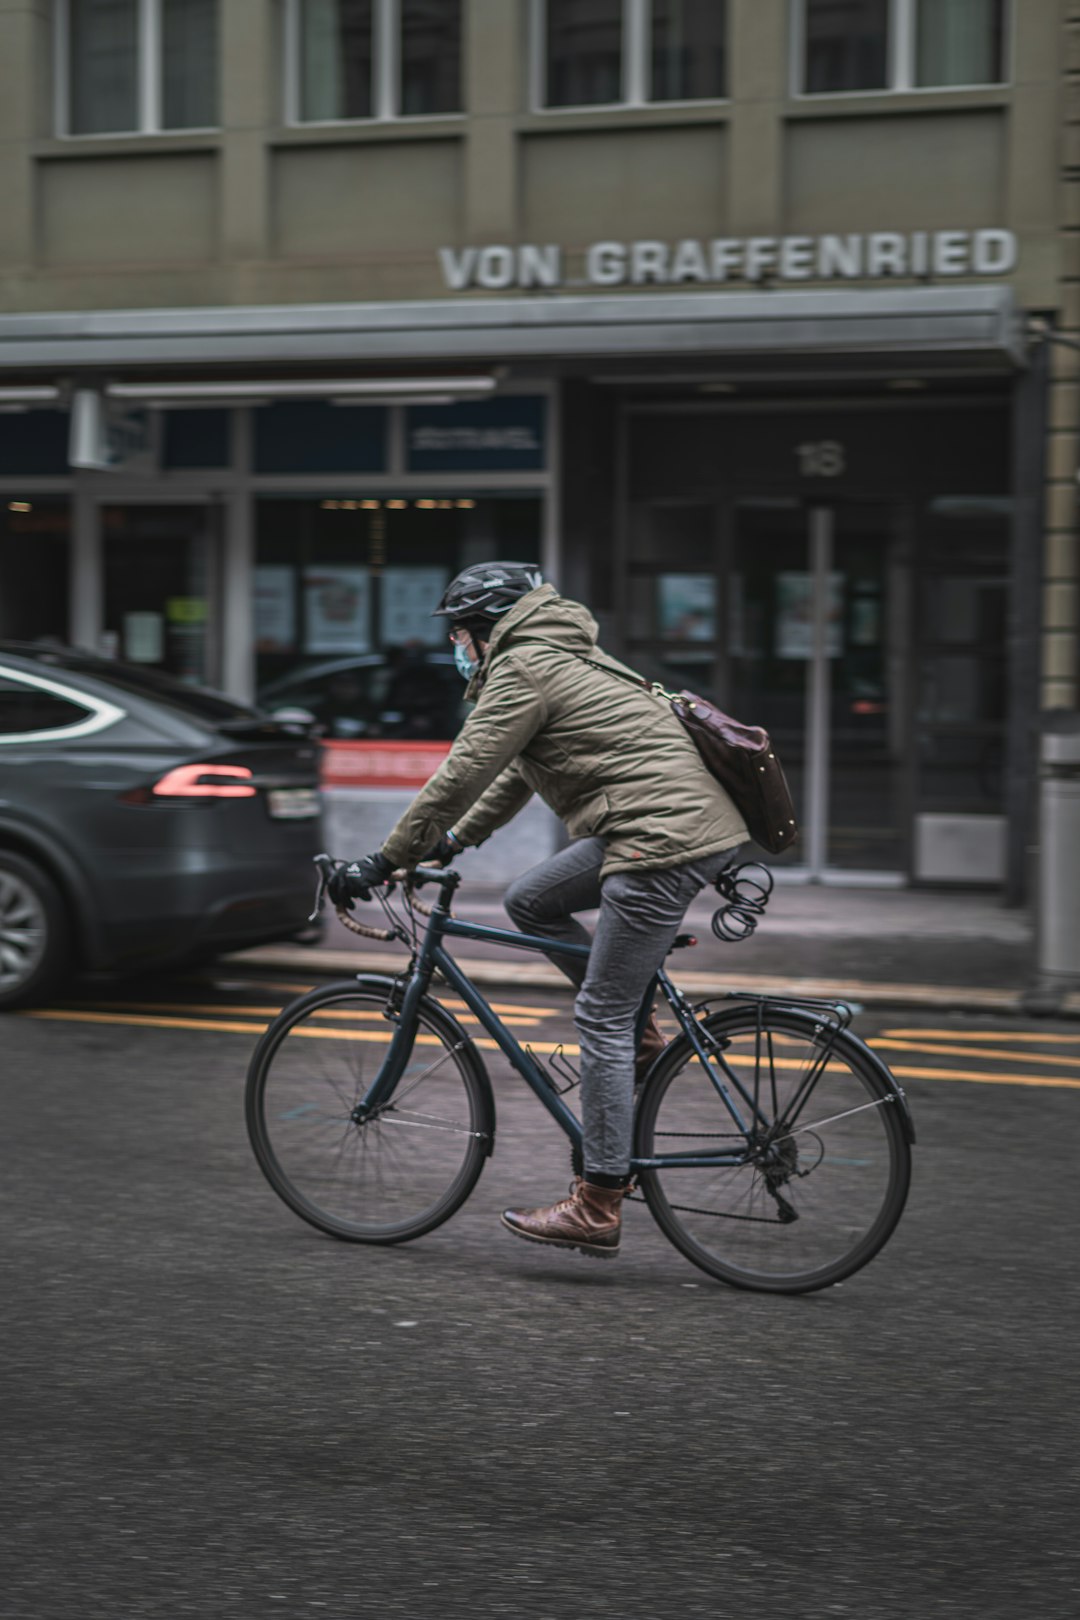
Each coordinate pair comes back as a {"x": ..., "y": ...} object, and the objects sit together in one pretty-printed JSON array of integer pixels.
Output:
[
  {"x": 162, "y": 587},
  {"x": 817, "y": 630}
]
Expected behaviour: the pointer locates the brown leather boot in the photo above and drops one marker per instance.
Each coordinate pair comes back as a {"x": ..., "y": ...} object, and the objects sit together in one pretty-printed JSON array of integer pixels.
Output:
[
  {"x": 651, "y": 1045},
  {"x": 589, "y": 1220}
]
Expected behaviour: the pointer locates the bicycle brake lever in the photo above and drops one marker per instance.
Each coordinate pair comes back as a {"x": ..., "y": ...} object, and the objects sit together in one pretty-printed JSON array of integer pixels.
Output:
[{"x": 320, "y": 894}]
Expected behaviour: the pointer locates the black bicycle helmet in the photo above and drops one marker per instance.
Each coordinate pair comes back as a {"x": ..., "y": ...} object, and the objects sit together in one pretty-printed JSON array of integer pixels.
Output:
[{"x": 487, "y": 590}]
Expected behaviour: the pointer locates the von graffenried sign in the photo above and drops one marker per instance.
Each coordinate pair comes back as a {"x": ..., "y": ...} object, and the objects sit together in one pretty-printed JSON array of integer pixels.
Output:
[{"x": 857, "y": 256}]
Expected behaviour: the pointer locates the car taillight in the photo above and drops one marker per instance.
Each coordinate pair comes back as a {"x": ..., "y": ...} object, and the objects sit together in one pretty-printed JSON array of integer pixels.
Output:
[{"x": 206, "y": 782}]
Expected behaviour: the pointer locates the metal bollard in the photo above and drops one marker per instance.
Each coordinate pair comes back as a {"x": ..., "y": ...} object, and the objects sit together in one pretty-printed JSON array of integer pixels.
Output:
[{"x": 1058, "y": 920}]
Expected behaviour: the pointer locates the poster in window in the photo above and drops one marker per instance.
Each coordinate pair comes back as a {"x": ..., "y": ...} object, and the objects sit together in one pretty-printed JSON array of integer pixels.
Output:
[
  {"x": 687, "y": 607},
  {"x": 409, "y": 596},
  {"x": 337, "y": 609},
  {"x": 795, "y": 615},
  {"x": 275, "y": 609}
]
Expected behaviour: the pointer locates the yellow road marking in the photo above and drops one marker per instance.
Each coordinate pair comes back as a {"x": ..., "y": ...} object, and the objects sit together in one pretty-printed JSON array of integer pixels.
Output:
[
  {"x": 542, "y": 1048},
  {"x": 442, "y": 992},
  {"x": 981, "y": 1035},
  {"x": 973, "y": 1051},
  {"x": 148, "y": 1021},
  {"x": 986, "y": 1079},
  {"x": 269, "y": 1012}
]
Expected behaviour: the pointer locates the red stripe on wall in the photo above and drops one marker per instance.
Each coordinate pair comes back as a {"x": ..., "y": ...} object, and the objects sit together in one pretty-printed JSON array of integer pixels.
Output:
[{"x": 381, "y": 764}]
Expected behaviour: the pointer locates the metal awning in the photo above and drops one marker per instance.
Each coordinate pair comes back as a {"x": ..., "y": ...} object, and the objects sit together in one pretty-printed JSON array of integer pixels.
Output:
[{"x": 978, "y": 323}]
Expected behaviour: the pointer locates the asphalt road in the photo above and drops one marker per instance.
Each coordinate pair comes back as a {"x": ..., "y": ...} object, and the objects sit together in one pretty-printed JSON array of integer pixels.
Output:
[{"x": 212, "y": 1410}]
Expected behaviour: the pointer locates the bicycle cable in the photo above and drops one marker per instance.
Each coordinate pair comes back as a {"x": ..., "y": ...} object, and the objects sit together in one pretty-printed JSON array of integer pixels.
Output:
[{"x": 746, "y": 889}]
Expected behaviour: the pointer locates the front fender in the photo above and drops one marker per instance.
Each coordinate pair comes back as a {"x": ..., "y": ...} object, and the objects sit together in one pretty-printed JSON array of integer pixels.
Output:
[{"x": 456, "y": 1036}]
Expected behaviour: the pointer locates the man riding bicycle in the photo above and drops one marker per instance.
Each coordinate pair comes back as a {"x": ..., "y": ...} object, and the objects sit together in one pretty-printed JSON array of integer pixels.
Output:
[{"x": 650, "y": 827}]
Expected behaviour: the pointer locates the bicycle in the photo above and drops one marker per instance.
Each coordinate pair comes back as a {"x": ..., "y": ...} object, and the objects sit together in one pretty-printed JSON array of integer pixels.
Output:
[{"x": 771, "y": 1145}]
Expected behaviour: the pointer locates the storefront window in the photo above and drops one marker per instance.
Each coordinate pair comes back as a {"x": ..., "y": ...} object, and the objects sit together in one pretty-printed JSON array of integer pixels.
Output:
[
  {"x": 162, "y": 588},
  {"x": 344, "y": 591},
  {"x": 34, "y": 564},
  {"x": 961, "y": 653}
]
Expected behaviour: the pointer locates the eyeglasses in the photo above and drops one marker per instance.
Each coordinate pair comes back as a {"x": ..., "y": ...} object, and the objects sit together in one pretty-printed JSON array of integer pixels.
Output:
[{"x": 460, "y": 636}]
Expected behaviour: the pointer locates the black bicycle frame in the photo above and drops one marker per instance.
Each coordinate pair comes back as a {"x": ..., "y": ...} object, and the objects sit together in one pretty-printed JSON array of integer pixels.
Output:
[{"x": 432, "y": 956}]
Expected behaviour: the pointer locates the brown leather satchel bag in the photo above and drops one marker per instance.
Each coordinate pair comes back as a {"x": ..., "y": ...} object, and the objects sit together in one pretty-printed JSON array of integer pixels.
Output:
[{"x": 742, "y": 759}]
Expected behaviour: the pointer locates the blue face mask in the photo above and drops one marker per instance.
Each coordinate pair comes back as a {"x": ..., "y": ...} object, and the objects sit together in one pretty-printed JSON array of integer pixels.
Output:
[{"x": 466, "y": 666}]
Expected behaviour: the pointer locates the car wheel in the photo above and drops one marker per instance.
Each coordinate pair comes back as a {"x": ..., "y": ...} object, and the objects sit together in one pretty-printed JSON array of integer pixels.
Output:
[{"x": 35, "y": 932}]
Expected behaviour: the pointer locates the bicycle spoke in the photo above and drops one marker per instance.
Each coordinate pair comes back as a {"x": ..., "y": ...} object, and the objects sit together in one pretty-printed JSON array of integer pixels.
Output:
[
  {"x": 814, "y": 1195},
  {"x": 391, "y": 1171}
]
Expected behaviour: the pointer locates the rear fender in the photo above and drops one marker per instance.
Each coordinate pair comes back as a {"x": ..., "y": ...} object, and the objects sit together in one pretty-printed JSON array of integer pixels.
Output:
[
  {"x": 716, "y": 1021},
  {"x": 891, "y": 1084}
]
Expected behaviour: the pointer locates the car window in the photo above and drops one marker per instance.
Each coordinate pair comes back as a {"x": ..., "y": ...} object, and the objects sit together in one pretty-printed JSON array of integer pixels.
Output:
[
  {"x": 407, "y": 696},
  {"x": 26, "y": 709},
  {"x": 151, "y": 685}
]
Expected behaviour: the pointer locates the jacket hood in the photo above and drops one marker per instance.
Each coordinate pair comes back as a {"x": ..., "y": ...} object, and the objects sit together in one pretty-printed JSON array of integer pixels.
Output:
[
  {"x": 541, "y": 615},
  {"x": 544, "y": 615}
]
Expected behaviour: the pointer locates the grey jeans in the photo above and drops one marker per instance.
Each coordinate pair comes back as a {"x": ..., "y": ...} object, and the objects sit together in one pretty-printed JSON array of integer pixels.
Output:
[{"x": 640, "y": 914}]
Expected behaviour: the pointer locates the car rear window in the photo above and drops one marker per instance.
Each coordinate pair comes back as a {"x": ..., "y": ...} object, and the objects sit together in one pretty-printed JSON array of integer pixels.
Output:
[{"x": 26, "y": 709}]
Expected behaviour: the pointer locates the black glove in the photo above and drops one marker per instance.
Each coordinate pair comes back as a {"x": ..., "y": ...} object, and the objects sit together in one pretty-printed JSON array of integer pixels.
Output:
[
  {"x": 446, "y": 850},
  {"x": 357, "y": 880}
]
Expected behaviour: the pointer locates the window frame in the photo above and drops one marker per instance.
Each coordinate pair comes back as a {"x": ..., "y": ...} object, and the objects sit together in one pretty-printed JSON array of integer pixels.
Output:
[
  {"x": 636, "y": 70},
  {"x": 901, "y": 56},
  {"x": 99, "y": 713},
  {"x": 149, "y": 81},
  {"x": 386, "y": 76}
]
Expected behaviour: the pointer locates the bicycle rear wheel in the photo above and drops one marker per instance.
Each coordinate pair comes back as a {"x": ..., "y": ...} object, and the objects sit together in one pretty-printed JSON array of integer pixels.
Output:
[
  {"x": 410, "y": 1164},
  {"x": 820, "y": 1202}
]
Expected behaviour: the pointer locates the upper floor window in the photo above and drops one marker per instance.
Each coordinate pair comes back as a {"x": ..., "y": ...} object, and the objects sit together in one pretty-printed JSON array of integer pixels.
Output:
[
  {"x": 594, "y": 53},
  {"x": 374, "y": 59},
  {"x": 852, "y": 45},
  {"x": 137, "y": 66}
]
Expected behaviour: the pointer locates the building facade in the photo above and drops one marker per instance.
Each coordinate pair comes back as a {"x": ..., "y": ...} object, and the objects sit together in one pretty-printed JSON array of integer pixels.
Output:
[{"x": 750, "y": 321}]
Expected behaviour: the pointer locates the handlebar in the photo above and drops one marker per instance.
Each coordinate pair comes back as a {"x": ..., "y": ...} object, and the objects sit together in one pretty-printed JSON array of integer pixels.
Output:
[{"x": 446, "y": 878}]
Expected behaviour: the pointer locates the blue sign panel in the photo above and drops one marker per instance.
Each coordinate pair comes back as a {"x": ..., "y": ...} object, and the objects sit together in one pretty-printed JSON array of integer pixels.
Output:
[
  {"x": 314, "y": 436},
  {"x": 490, "y": 435}
]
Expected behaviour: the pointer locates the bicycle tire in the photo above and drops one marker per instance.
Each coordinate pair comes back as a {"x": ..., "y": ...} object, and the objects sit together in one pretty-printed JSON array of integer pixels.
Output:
[
  {"x": 360, "y": 1181},
  {"x": 857, "y": 1166}
]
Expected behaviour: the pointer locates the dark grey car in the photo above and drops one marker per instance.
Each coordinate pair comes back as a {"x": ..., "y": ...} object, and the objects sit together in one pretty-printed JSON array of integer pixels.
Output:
[{"x": 142, "y": 821}]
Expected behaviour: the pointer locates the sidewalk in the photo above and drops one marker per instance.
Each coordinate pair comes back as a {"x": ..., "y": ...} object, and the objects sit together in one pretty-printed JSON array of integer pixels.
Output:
[{"x": 880, "y": 947}]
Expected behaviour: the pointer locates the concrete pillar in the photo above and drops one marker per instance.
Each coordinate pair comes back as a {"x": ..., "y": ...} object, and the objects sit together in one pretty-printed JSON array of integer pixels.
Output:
[
  {"x": 757, "y": 77},
  {"x": 238, "y": 564},
  {"x": 251, "y": 104},
  {"x": 26, "y": 115},
  {"x": 495, "y": 51},
  {"x": 1060, "y": 651}
]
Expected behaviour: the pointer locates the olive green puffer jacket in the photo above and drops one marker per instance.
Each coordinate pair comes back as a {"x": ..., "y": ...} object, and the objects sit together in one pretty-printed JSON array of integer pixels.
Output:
[{"x": 611, "y": 760}]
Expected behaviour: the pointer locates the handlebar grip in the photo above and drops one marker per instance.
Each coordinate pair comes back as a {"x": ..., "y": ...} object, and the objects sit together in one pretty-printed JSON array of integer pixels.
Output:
[{"x": 430, "y": 874}]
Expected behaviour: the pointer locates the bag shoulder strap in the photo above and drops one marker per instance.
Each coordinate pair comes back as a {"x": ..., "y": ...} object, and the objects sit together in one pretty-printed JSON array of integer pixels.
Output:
[{"x": 623, "y": 674}]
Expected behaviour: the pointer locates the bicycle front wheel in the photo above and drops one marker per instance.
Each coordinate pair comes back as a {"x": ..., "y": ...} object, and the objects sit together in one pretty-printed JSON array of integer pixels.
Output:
[
  {"x": 407, "y": 1166},
  {"x": 807, "y": 1202}
]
